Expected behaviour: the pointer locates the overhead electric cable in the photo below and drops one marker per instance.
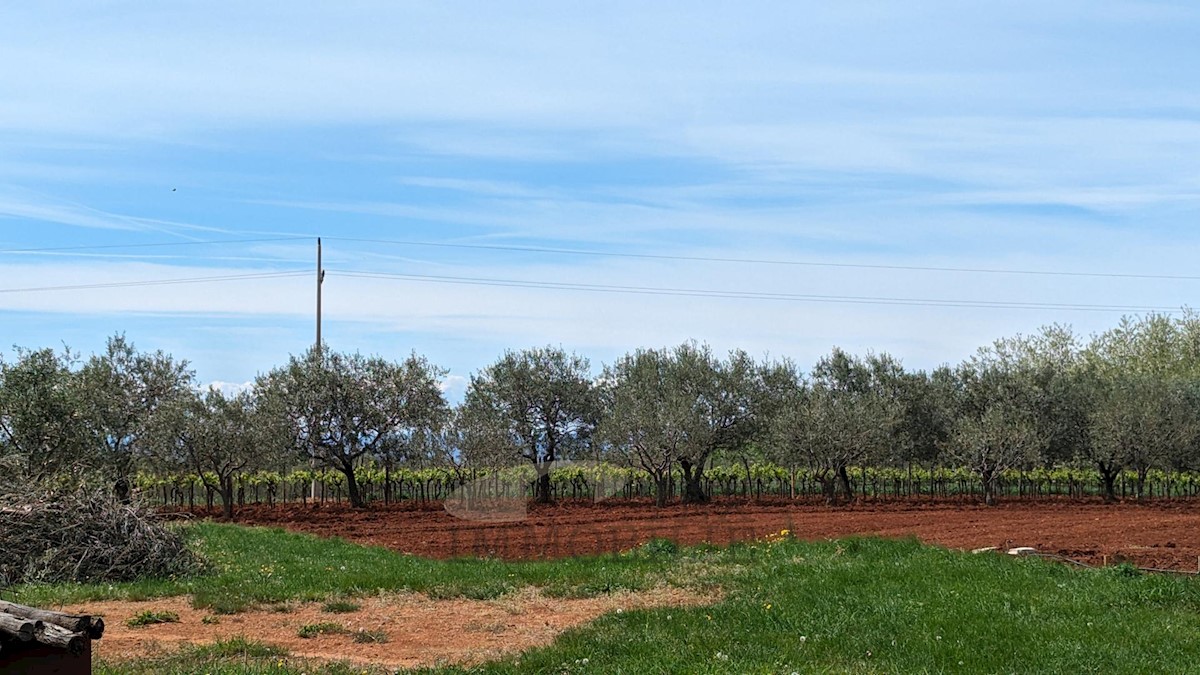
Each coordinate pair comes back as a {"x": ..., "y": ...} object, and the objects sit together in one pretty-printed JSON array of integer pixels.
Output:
[
  {"x": 765, "y": 261},
  {"x": 751, "y": 295},
  {"x": 158, "y": 282},
  {"x": 97, "y": 247}
]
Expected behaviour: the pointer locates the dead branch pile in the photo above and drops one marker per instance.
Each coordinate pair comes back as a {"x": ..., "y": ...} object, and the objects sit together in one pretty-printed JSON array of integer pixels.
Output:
[{"x": 84, "y": 535}]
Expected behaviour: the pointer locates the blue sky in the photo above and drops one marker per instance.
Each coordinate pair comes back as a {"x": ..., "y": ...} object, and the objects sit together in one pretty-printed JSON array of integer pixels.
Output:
[{"x": 1011, "y": 135}]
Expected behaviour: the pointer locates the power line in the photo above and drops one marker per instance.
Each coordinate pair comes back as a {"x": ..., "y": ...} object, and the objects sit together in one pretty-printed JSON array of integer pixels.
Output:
[
  {"x": 157, "y": 282},
  {"x": 624, "y": 254},
  {"x": 765, "y": 261},
  {"x": 97, "y": 247},
  {"x": 751, "y": 295}
]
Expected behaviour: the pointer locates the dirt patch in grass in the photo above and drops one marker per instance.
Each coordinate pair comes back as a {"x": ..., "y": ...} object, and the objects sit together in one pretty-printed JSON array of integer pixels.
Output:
[{"x": 412, "y": 629}]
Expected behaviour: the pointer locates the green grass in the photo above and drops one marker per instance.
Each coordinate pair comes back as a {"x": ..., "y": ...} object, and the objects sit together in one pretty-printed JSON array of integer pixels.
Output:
[
  {"x": 876, "y": 606},
  {"x": 855, "y": 605},
  {"x": 259, "y": 566},
  {"x": 340, "y": 607},
  {"x": 236, "y": 655},
  {"x": 312, "y": 630},
  {"x": 365, "y": 636},
  {"x": 150, "y": 618}
]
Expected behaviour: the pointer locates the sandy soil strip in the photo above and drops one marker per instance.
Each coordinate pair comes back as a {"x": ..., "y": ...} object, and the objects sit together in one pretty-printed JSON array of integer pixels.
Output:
[{"x": 420, "y": 631}]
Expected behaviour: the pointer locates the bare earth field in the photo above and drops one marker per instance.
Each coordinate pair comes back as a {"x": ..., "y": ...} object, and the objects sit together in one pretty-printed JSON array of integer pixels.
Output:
[
  {"x": 419, "y": 631},
  {"x": 1162, "y": 534}
]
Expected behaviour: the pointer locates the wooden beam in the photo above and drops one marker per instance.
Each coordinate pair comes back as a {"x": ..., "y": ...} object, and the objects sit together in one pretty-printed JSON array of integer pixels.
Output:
[
  {"x": 52, "y": 635},
  {"x": 93, "y": 626},
  {"x": 17, "y": 628}
]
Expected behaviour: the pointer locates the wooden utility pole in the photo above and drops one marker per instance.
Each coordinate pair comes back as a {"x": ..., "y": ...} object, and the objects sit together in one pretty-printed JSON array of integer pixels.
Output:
[
  {"x": 319, "y": 347},
  {"x": 320, "y": 281}
]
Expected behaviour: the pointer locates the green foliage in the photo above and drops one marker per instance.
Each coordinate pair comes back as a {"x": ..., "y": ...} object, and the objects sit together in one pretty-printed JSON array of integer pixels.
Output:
[
  {"x": 536, "y": 405},
  {"x": 312, "y": 630},
  {"x": 150, "y": 617},
  {"x": 340, "y": 607},
  {"x": 658, "y": 548},
  {"x": 367, "y": 636},
  {"x": 341, "y": 408}
]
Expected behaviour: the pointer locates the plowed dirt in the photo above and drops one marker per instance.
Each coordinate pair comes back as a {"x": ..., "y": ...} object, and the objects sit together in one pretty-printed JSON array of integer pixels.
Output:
[{"x": 1161, "y": 534}]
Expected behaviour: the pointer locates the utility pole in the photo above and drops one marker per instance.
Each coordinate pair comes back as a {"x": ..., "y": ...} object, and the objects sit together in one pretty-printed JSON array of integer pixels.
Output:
[
  {"x": 320, "y": 281},
  {"x": 319, "y": 347}
]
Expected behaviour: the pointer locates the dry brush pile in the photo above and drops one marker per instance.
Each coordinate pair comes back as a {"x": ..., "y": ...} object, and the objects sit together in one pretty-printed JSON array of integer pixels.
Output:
[{"x": 84, "y": 535}]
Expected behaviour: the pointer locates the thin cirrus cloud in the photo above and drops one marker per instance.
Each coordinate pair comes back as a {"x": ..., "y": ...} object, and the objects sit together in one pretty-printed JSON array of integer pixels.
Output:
[{"x": 1011, "y": 135}]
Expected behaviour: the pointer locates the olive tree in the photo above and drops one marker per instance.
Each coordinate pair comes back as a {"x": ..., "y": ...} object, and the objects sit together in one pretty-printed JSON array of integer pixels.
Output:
[
  {"x": 1142, "y": 422},
  {"x": 538, "y": 405},
  {"x": 341, "y": 408},
  {"x": 724, "y": 408},
  {"x": 648, "y": 414},
  {"x": 994, "y": 441},
  {"x": 996, "y": 428},
  {"x": 121, "y": 391},
  {"x": 42, "y": 430},
  {"x": 1141, "y": 376},
  {"x": 217, "y": 438},
  {"x": 845, "y": 417}
]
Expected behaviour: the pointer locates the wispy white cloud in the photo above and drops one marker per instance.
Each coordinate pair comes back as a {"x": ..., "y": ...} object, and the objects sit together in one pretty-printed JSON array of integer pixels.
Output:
[
  {"x": 20, "y": 204},
  {"x": 1026, "y": 134}
]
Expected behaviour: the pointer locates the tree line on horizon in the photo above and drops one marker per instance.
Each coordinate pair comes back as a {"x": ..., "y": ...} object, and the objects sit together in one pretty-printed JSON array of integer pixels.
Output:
[{"x": 1124, "y": 400}]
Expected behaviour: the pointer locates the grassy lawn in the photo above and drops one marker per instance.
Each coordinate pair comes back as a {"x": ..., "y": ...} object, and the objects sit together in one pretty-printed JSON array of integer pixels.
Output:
[
  {"x": 261, "y": 566},
  {"x": 856, "y": 605}
]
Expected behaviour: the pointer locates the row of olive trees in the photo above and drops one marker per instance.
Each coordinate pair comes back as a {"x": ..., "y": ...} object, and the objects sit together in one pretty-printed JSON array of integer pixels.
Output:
[
  {"x": 61, "y": 417},
  {"x": 1125, "y": 400},
  {"x": 66, "y": 420}
]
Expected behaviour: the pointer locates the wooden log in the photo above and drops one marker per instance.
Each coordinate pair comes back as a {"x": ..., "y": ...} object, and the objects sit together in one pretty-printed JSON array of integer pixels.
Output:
[
  {"x": 18, "y": 628},
  {"x": 53, "y": 635},
  {"x": 94, "y": 627}
]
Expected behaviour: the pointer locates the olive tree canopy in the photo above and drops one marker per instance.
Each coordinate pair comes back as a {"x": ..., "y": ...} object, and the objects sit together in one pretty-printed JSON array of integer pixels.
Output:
[
  {"x": 537, "y": 404},
  {"x": 341, "y": 408}
]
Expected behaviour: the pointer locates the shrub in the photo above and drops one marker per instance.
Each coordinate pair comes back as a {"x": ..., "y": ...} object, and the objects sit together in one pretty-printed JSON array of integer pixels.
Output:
[
  {"x": 150, "y": 617},
  {"x": 312, "y": 630}
]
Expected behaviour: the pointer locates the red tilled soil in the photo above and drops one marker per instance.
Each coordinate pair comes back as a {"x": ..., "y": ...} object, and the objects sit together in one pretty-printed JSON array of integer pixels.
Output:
[{"x": 1162, "y": 534}]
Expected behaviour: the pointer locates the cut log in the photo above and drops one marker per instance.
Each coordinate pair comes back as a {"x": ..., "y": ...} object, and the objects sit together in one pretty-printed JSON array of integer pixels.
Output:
[
  {"x": 53, "y": 635},
  {"x": 76, "y": 624},
  {"x": 18, "y": 628}
]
